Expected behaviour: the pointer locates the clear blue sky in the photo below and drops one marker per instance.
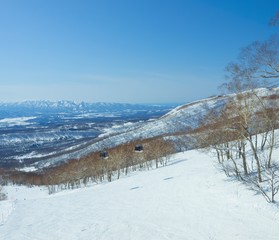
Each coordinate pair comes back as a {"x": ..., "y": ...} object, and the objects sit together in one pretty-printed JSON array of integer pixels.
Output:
[{"x": 136, "y": 51}]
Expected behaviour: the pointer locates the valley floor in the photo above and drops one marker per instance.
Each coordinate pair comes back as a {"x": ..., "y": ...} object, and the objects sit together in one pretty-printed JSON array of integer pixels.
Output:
[{"x": 188, "y": 199}]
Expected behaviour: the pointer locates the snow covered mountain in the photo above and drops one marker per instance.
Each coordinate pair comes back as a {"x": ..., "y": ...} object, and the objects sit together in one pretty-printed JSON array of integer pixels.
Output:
[
  {"x": 29, "y": 108},
  {"x": 181, "y": 119}
]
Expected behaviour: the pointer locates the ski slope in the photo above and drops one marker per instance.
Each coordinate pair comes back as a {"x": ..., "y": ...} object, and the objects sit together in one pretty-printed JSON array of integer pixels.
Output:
[{"x": 188, "y": 199}]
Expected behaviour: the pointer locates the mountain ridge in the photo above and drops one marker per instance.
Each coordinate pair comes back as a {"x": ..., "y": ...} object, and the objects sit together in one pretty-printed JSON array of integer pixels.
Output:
[{"x": 27, "y": 108}]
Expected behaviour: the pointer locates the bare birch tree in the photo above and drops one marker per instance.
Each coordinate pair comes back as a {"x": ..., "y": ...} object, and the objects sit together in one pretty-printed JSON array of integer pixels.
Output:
[{"x": 245, "y": 127}]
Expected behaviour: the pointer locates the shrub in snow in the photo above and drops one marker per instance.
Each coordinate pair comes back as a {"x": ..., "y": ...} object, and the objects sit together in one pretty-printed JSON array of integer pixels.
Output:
[{"x": 243, "y": 136}]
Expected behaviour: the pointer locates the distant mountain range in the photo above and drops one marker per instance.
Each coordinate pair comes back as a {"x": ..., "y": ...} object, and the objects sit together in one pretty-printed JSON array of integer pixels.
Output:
[{"x": 29, "y": 108}]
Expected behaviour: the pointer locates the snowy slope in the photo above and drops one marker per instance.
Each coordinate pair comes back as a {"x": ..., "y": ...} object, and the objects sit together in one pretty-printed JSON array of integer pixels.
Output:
[
  {"x": 188, "y": 199},
  {"x": 179, "y": 119}
]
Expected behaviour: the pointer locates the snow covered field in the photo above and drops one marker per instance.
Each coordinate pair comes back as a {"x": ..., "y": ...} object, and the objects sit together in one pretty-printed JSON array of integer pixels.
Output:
[
  {"x": 9, "y": 122},
  {"x": 188, "y": 199}
]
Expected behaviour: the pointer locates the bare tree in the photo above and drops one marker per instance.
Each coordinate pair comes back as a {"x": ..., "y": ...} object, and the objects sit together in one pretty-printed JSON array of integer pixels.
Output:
[
  {"x": 251, "y": 118},
  {"x": 269, "y": 187},
  {"x": 257, "y": 65}
]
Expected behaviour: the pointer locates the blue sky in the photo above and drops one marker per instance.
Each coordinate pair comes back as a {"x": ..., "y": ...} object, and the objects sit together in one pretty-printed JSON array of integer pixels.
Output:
[{"x": 135, "y": 51}]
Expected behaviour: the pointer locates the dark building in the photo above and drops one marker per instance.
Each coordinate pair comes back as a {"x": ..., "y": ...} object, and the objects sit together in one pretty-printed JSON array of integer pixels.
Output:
[
  {"x": 104, "y": 154},
  {"x": 138, "y": 148}
]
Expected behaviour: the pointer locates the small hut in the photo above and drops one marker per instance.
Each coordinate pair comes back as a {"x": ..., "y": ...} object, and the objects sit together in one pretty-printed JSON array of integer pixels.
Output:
[
  {"x": 138, "y": 148},
  {"x": 104, "y": 154}
]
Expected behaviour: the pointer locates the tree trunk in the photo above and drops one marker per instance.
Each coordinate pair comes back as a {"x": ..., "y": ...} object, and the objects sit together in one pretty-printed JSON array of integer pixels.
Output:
[
  {"x": 243, "y": 155},
  {"x": 257, "y": 158},
  {"x": 271, "y": 148}
]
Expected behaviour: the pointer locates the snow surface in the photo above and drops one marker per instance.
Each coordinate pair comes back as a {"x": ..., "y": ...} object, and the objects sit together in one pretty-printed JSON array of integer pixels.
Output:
[
  {"x": 188, "y": 199},
  {"x": 19, "y": 121}
]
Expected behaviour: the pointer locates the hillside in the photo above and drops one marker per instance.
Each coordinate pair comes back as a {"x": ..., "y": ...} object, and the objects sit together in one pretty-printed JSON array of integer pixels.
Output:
[
  {"x": 182, "y": 120},
  {"x": 36, "y": 130},
  {"x": 179, "y": 120},
  {"x": 188, "y": 199}
]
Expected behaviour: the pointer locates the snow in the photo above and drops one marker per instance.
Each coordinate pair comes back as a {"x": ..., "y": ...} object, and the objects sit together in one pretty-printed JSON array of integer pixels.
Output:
[
  {"x": 31, "y": 155},
  {"x": 188, "y": 199},
  {"x": 19, "y": 121},
  {"x": 27, "y": 169},
  {"x": 6, "y": 209}
]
